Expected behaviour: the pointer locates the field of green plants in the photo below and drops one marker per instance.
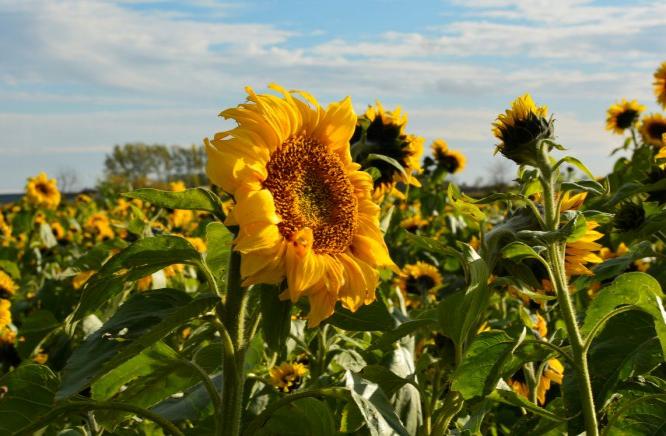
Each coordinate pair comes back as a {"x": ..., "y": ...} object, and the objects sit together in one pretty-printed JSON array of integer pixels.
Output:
[{"x": 332, "y": 280}]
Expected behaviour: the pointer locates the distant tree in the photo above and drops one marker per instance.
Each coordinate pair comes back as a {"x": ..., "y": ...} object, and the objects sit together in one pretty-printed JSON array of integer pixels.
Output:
[
  {"x": 68, "y": 179},
  {"x": 139, "y": 164}
]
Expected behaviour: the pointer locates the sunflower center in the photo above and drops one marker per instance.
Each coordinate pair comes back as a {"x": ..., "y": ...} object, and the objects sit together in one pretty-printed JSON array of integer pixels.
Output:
[
  {"x": 43, "y": 188},
  {"x": 419, "y": 284},
  {"x": 626, "y": 118},
  {"x": 311, "y": 189},
  {"x": 655, "y": 130}
]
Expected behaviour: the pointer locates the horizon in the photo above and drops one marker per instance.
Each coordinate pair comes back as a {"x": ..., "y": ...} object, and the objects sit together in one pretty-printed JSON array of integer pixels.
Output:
[{"x": 80, "y": 77}]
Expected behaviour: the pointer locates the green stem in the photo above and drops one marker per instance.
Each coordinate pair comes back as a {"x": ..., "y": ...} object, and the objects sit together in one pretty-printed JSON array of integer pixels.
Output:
[
  {"x": 234, "y": 322},
  {"x": 58, "y": 411},
  {"x": 556, "y": 258},
  {"x": 453, "y": 404},
  {"x": 215, "y": 397},
  {"x": 259, "y": 421}
]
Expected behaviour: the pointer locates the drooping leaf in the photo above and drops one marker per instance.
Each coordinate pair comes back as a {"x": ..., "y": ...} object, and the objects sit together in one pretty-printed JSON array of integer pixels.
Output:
[
  {"x": 275, "y": 317},
  {"x": 189, "y": 199},
  {"x": 218, "y": 241}
]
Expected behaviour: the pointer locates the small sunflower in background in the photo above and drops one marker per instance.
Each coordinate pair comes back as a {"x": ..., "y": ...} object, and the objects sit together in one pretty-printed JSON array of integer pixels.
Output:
[
  {"x": 552, "y": 373},
  {"x": 414, "y": 223},
  {"x": 661, "y": 154},
  {"x": 653, "y": 128},
  {"x": 288, "y": 376},
  {"x": 660, "y": 84},
  {"x": 381, "y": 133},
  {"x": 5, "y": 313},
  {"x": 42, "y": 191},
  {"x": 623, "y": 115},
  {"x": 7, "y": 285},
  {"x": 520, "y": 127},
  {"x": 451, "y": 161},
  {"x": 582, "y": 251},
  {"x": 417, "y": 283}
]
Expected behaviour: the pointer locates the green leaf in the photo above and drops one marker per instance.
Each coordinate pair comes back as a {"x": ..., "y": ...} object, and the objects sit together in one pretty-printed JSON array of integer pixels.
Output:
[
  {"x": 577, "y": 163},
  {"x": 504, "y": 394},
  {"x": 389, "y": 160},
  {"x": 140, "y": 322},
  {"x": 10, "y": 268},
  {"x": 34, "y": 329},
  {"x": 189, "y": 199},
  {"x": 636, "y": 289},
  {"x": 194, "y": 403},
  {"x": 591, "y": 186},
  {"x": 30, "y": 390},
  {"x": 303, "y": 417},
  {"x": 428, "y": 244},
  {"x": 481, "y": 367},
  {"x": 518, "y": 251},
  {"x": 373, "y": 317},
  {"x": 379, "y": 416},
  {"x": 218, "y": 241},
  {"x": 385, "y": 341},
  {"x": 642, "y": 416},
  {"x": 275, "y": 317},
  {"x": 140, "y": 259},
  {"x": 384, "y": 377}
]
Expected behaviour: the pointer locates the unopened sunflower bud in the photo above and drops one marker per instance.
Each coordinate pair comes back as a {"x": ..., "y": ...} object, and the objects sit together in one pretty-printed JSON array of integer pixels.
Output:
[{"x": 630, "y": 217}]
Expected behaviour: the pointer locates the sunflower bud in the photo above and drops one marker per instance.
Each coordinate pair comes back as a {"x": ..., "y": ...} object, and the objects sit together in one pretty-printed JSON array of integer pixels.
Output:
[
  {"x": 655, "y": 175},
  {"x": 630, "y": 217},
  {"x": 521, "y": 128}
]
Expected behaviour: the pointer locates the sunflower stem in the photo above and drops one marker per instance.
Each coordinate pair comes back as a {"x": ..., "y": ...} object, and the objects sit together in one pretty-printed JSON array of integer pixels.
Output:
[
  {"x": 231, "y": 408},
  {"x": 556, "y": 251}
]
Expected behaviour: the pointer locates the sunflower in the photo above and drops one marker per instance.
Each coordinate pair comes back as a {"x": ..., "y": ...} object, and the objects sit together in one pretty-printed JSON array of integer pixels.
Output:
[
  {"x": 583, "y": 250},
  {"x": 84, "y": 199},
  {"x": 519, "y": 129},
  {"x": 99, "y": 224},
  {"x": 303, "y": 208},
  {"x": 81, "y": 278},
  {"x": 452, "y": 161},
  {"x": 606, "y": 253},
  {"x": 553, "y": 372},
  {"x": 288, "y": 377},
  {"x": 42, "y": 192},
  {"x": 623, "y": 115},
  {"x": 652, "y": 128},
  {"x": 661, "y": 154},
  {"x": 519, "y": 387},
  {"x": 7, "y": 336},
  {"x": 572, "y": 202},
  {"x": 413, "y": 223},
  {"x": 177, "y": 186},
  {"x": 7, "y": 285},
  {"x": 417, "y": 282},
  {"x": 660, "y": 84},
  {"x": 58, "y": 230},
  {"x": 382, "y": 133},
  {"x": 629, "y": 217},
  {"x": 5, "y": 313}
]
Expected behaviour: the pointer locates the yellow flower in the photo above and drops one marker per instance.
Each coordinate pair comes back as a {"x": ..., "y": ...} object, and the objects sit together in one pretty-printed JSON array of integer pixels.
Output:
[
  {"x": 452, "y": 161},
  {"x": 7, "y": 336},
  {"x": 381, "y": 132},
  {"x": 5, "y": 313},
  {"x": 520, "y": 127},
  {"x": 553, "y": 372},
  {"x": 198, "y": 243},
  {"x": 519, "y": 388},
  {"x": 39, "y": 218},
  {"x": 177, "y": 186},
  {"x": 417, "y": 282},
  {"x": 660, "y": 84},
  {"x": 413, "y": 223},
  {"x": 83, "y": 198},
  {"x": 40, "y": 358},
  {"x": 652, "y": 129},
  {"x": 181, "y": 218},
  {"x": 623, "y": 115},
  {"x": 99, "y": 224},
  {"x": 7, "y": 285},
  {"x": 541, "y": 326},
  {"x": 572, "y": 202},
  {"x": 81, "y": 278},
  {"x": 58, "y": 230},
  {"x": 288, "y": 377},
  {"x": 145, "y": 283},
  {"x": 304, "y": 210},
  {"x": 606, "y": 253},
  {"x": 42, "y": 192},
  {"x": 662, "y": 152},
  {"x": 583, "y": 250}
]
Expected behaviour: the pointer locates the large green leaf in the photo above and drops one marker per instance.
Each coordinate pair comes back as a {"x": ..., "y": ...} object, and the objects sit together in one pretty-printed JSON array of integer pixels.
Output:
[
  {"x": 642, "y": 416},
  {"x": 140, "y": 259},
  {"x": 303, "y": 417},
  {"x": 481, "y": 367},
  {"x": 377, "y": 412},
  {"x": 34, "y": 329},
  {"x": 189, "y": 199},
  {"x": 194, "y": 403},
  {"x": 635, "y": 289},
  {"x": 140, "y": 322},
  {"x": 218, "y": 241},
  {"x": 373, "y": 317},
  {"x": 275, "y": 317},
  {"x": 386, "y": 340},
  {"x": 29, "y": 394},
  {"x": 384, "y": 377}
]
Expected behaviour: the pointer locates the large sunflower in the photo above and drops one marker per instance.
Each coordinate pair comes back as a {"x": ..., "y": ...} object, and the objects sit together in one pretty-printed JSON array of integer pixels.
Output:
[
  {"x": 652, "y": 128},
  {"x": 623, "y": 115},
  {"x": 452, "y": 161},
  {"x": 520, "y": 127},
  {"x": 660, "y": 84},
  {"x": 582, "y": 251},
  {"x": 303, "y": 208},
  {"x": 417, "y": 282},
  {"x": 380, "y": 132},
  {"x": 43, "y": 192}
]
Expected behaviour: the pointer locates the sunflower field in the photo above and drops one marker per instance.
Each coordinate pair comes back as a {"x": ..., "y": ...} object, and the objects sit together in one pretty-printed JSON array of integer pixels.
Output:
[{"x": 332, "y": 280}]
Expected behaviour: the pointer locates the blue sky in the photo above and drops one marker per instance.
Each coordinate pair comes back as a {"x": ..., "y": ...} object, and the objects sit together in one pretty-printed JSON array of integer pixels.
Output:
[{"x": 77, "y": 77}]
